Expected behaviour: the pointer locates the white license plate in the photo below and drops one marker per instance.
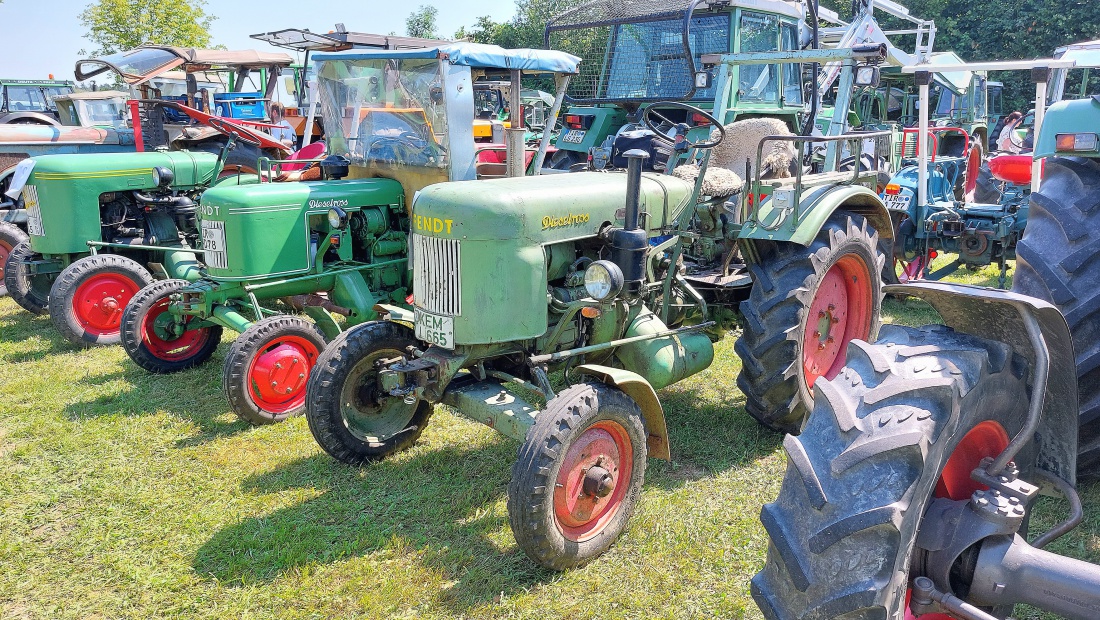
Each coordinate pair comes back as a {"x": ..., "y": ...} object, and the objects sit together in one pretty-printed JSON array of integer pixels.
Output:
[
  {"x": 897, "y": 202},
  {"x": 573, "y": 136},
  {"x": 213, "y": 244},
  {"x": 435, "y": 329},
  {"x": 34, "y": 211}
]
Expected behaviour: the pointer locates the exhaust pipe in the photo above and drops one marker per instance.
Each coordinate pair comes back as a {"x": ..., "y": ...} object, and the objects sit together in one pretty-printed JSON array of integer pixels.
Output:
[{"x": 630, "y": 243}]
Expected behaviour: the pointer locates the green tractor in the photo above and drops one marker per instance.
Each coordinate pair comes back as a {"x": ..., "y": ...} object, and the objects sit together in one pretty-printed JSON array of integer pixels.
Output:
[
  {"x": 103, "y": 226},
  {"x": 515, "y": 279},
  {"x": 910, "y": 488},
  {"x": 398, "y": 121}
]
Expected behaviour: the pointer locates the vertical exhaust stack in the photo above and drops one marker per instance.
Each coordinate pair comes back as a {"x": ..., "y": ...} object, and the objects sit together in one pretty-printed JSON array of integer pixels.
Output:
[{"x": 629, "y": 243}]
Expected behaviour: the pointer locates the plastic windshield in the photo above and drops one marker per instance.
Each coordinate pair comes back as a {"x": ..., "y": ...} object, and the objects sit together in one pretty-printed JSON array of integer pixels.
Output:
[
  {"x": 388, "y": 111},
  {"x": 110, "y": 112}
]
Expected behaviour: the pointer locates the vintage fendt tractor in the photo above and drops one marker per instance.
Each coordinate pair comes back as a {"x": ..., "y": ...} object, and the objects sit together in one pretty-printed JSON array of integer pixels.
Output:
[
  {"x": 396, "y": 121},
  {"x": 588, "y": 274},
  {"x": 103, "y": 226},
  {"x": 910, "y": 488}
]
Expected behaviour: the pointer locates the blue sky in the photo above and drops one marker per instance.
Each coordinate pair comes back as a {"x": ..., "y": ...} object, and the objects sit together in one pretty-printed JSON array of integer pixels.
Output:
[{"x": 39, "y": 37}]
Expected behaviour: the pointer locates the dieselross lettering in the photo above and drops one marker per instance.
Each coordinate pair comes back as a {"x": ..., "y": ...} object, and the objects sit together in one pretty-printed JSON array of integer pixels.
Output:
[
  {"x": 327, "y": 204},
  {"x": 549, "y": 221}
]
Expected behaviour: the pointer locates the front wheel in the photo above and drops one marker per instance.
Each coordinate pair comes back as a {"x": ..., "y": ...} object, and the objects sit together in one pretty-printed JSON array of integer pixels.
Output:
[
  {"x": 349, "y": 414},
  {"x": 907, "y": 420},
  {"x": 268, "y": 366},
  {"x": 32, "y": 293},
  {"x": 88, "y": 297},
  {"x": 10, "y": 236},
  {"x": 160, "y": 342},
  {"x": 806, "y": 305},
  {"x": 578, "y": 476}
]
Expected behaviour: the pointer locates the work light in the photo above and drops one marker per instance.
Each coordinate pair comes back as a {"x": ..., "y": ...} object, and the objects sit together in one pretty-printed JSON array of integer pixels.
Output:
[{"x": 603, "y": 280}]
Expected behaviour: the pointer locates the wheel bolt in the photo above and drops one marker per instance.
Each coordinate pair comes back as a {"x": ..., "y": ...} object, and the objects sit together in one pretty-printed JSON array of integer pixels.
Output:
[
  {"x": 830, "y": 339},
  {"x": 817, "y": 334},
  {"x": 820, "y": 314},
  {"x": 274, "y": 384},
  {"x": 278, "y": 366},
  {"x": 836, "y": 320},
  {"x": 832, "y": 307},
  {"x": 820, "y": 346}
]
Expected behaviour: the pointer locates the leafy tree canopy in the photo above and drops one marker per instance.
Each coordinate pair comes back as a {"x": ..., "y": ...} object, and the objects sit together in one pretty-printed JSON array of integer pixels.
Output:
[
  {"x": 116, "y": 25},
  {"x": 422, "y": 22}
]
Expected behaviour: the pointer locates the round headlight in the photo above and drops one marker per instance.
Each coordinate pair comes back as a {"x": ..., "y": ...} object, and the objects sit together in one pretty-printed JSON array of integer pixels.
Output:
[
  {"x": 603, "y": 280},
  {"x": 337, "y": 218}
]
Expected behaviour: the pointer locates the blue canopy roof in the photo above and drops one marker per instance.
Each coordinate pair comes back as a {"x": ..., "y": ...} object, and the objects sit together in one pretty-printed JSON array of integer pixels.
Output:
[{"x": 475, "y": 55}]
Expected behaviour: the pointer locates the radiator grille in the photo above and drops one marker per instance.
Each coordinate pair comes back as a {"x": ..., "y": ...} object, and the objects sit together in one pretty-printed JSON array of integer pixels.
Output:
[{"x": 436, "y": 282}]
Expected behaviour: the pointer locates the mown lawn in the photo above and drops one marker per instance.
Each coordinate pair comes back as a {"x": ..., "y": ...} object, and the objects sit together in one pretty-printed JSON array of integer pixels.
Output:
[{"x": 127, "y": 495}]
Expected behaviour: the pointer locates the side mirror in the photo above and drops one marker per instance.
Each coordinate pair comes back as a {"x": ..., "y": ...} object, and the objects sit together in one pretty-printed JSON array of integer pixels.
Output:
[
  {"x": 702, "y": 79},
  {"x": 867, "y": 76}
]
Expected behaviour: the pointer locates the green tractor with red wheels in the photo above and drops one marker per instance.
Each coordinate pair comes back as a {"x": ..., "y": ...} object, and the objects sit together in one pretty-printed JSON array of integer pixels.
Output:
[
  {"x": 333, "y": 247},
  {"x": 598, "y": 278},
  {"x": 911, "y": 487},
  {"x": 100, "y": 227}
]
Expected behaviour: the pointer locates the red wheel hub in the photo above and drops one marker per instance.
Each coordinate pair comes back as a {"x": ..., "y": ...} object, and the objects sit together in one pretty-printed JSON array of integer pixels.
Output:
[
  {"x": 157, "y": 332},
  {"x": 99, "y": 301},
  {"x": 278, "y": 374},
  {"x": 840, "y": 312},
  {"x": 5, "y": 251},
  {"x": 593, "y": 480},
  {"x": 987, "y": 439}
]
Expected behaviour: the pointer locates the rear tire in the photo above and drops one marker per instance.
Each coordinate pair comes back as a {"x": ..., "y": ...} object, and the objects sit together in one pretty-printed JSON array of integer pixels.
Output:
[
  {"x": 268, "y": 366},
  {"x": 88, "y": 297},
  {"x": 778, "y": 368},
  {"x": 557, "y": 518},
  {"x": 1056, "y": 260},
  {"x": 151, "y": 345},
  {"x": 32, "y": 293},
  {"x": 868, "y": 462},
  {"x": 10, "y": 236},
  {"x": 347, "y": 415}
]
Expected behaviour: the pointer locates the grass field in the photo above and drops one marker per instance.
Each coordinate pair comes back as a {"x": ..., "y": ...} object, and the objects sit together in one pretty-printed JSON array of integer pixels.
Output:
[{"x": 127, "y": 495}]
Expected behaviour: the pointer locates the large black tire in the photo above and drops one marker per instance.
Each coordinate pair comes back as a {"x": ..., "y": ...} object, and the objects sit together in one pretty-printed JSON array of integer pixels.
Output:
[
  {"x": 31, "y": 293},
  {"x": 862, "y": 473},
  {"x": 160, "y": 352},
  {"x": 278, "y": 352},
  {"x": 1056, "y": 260},
  {"x": 562, "y": 438},
  {"x": 988, "y": 190},
  {"x": 786, "y": 282},
  {"x": 88, "y": 297},
  {"x": 10, "y": 236},
  {"x": 344, "y": 384}
]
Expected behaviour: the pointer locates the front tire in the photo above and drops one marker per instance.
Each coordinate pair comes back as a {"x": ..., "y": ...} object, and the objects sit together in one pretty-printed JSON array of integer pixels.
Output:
[
  {"x": 157, "y": 343},
  {"x": 805, "y": 306},
  {"x": 10, "y": 236},
  {"x": 32, "y": 293},
  {"x": 348, "y": 414},
  {"x": 578, "y": 476},
  {"x": 88, "y": 297},
  {"x": 268, "y": 366},
  {"x": 1056, "y": 260},
  {"x": 880, "y": 443}
]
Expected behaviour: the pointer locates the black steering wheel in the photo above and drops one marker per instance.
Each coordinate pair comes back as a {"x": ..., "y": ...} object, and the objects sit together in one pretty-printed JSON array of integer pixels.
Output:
[
  {"x": 651, "y": 111},
  {"x": 234, "y": 131}
]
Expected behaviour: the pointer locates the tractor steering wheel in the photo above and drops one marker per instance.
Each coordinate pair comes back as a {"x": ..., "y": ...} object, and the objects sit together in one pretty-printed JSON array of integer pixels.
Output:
[
  {"x": 234, "y": 131},
  {"x": 651, "y": 111}
]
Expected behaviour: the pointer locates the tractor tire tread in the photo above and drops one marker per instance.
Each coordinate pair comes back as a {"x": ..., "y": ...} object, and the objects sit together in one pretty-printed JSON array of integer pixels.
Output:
[
  {"x": 70, "y": 279},
  {"x": 131, "y": 338},
  {"x": 18, "y": 285}
]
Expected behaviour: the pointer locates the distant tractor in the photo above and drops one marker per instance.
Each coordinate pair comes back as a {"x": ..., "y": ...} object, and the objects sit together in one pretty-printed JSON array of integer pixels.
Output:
[{"x": 31, "y": 102}]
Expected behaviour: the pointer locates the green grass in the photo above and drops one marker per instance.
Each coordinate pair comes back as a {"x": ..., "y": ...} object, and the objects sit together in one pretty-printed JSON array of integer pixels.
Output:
[{"x": 127, "y": 495}]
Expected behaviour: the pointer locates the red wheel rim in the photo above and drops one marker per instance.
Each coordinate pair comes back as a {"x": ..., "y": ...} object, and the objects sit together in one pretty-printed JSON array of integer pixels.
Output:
[
  {"x": 161, "y": 343},
  {"x": 603, "y": 449},
  {"x": 973, "y": 164},
  {"x": 5, "y": 251},
  {"x": 987, "y": 439},
  {"x": 840, "y": 312},
  {"x": 99, "y": 301},
  {"x": 279, "y": 372}
]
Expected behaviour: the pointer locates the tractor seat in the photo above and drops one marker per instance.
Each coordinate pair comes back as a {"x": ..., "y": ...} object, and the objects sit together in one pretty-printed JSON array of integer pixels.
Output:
[
  {"x": 1015, "y": 169},
  {"x": 717, "y": 182}
]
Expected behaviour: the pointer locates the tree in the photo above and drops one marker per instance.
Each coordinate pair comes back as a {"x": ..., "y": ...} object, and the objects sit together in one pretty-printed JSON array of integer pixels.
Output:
[
  {"x": 421, "y": 22},
  {"x": 116, "y": 25}
]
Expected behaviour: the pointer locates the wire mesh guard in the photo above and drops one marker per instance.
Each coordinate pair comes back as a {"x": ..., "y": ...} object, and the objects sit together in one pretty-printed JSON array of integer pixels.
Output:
[
  {"x": 637, "y": 50},
  {"x": 151, "y": 120}
]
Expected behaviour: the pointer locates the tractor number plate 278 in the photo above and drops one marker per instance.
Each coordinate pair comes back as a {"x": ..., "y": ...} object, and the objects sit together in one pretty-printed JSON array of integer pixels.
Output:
[
  {"x": 573, "y": 136},
  {"x": 213, "y": 244},
  {"x": 897, "y": 202},
  {"x": 435, "y": 329}
]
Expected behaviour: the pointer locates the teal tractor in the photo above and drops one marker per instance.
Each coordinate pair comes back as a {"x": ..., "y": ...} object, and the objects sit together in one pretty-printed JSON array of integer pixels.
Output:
[
  {"x": 396, "y": 121},
  {"x": 516, "y": 279},
  {"x": 100, "y": 227}
]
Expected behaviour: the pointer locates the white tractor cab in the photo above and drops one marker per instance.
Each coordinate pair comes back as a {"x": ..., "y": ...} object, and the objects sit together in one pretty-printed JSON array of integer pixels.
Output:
[
  {"x": 931, "y": 216},
  {"x": 1080, "y": 82}
]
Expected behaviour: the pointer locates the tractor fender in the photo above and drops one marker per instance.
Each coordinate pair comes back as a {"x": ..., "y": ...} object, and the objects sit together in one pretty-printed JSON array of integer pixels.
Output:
[
  {"x": 637, "y": 388},
  {"x": 37, "y": 118},
  {"x": 818, "y": 204},
  {"x": 993, "y": 314}
]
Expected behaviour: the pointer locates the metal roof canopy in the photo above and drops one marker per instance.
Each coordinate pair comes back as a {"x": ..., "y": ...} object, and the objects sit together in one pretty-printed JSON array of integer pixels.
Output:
[
  {"x": 996, "y": 65},
  {"x": 302, "y": 39},
  {"x": 476, "y": 55}
]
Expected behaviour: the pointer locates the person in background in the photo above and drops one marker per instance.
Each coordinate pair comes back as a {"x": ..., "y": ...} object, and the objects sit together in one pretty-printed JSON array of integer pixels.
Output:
[
  {"x": 283, "y": 132},
  {"x": 1004, "y": 140}
]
